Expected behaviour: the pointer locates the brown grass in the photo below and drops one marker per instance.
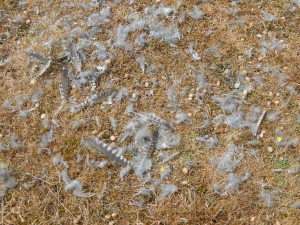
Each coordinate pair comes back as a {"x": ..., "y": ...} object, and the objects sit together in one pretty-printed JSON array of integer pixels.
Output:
[{"x": 46, "y": 202}]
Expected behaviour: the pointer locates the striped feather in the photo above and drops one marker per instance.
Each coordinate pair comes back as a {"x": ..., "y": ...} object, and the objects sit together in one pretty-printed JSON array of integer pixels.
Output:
[
  {"x": 106, "y": 150},
  {"x": 152, "y": 118}
]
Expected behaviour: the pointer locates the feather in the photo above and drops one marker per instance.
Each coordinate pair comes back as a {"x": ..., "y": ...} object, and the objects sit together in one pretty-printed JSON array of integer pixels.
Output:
[
  {"x": 63, "y": 89},
  {"x": 63, "y": 86},
  {"x": 92, "y": 100},
  {"x": 106, "y": 150},
  {"x": 75, "y": 57},
  {"x": 39, "y": 57},
  {"x": 152, "y": 118}
]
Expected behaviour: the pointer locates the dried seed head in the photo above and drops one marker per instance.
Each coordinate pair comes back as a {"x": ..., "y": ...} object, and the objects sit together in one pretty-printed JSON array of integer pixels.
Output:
[
  {"x": 185, "y": 170},
  {"x": 268, "y": 103},
  {"x": 218, "y": 83},
  {"x": 184, "y": 182},
  {"x": 237, "y": 85},
  {"x": 277, "y": 94},
  {"x": 260, "y": 58},
  {"x": 271, "y": 94},
  {"x": 270, "y": 149},
  {"x": 244, "y": 72},
  {"x": 276, "y": 102},
  {"x": 33, "y": 81},
  {"x": 107, "y": 217},
  {"x": 226, "y": 71},
  {"x": 147, "y": 84},
  {"x": 112, "y": 138},
  {"x": 37, "y": 105},
  {"x": 94, "y": 132},
  {"x": 114, "y": 214}
]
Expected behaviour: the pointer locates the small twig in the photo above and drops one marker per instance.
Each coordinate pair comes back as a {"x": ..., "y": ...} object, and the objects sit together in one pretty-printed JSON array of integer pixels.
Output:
[
  {"x": 39, "y": 178},
  {"x": 2, "y": 211},
  {"x": 259, "y": 122},
  {"x": 51, "y": 192},
  {"x": 61, "y": 202}
]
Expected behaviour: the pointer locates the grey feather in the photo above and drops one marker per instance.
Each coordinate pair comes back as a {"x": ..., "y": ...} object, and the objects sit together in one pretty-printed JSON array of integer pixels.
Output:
[
  {"x": 75, "y": 57},
  {"x": 152, "y": 118},
  {"x": 106, "y": 150},
  {"x": 92, "y": 100}
]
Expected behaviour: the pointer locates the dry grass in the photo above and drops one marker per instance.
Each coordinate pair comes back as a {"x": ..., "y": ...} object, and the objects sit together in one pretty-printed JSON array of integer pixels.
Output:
[{"x": 45, "y": 201}]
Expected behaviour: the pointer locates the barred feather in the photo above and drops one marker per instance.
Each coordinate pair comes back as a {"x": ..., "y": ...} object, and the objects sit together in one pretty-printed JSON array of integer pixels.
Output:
[
  {"x": 92, "y": 100},
  {"x": 63, "y": 89},
  {"x": 75, "y": 57},
  {"x": 63, "y": 86},
  {"x": 37, "y": 56},
  {"x": 152, "y": 118},
  {"x": 98, "y": 97},
  {"x": 106, "y": 150}
]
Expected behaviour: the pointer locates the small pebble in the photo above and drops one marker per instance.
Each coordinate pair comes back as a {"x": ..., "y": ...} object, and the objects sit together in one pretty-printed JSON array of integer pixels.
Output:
[
  {"x": 265, "y": 32},
  {"x": 185, "y": 170},
  {"x": 111, "y": 223},
  {"x": 112, "y": 138},
  {"x": 88, "y": 88},
  {"x": 240, "y": 57},
  {"x": 242, "y": 39},
  {"x": 184, "y": 182},
  {"x": 260, "y": 58},
  {"x": 147, "y": 84},
  {"x": 134, "y": 95},
  {"x": 43, "y": 116},
  {"x": 164, "y": 77},
  {"x": 252, "y": 219},
  {"x": 107, "y": 217},
  {"x": 271, "y": 94},
  {"x": 270, "y": 149},
  {"x": 276, "y": 102},
  {"x": 191, "y": 95},
  {"x": 248, "y": 79},
  {"x": 94, "y": 132},
  {"x": 268, "y": 103},
  {"x": 218, "y": 83},
  {"x": 251, "y": 24},
  {"x": 204, "y": 91},
  {"x": 33, "y": 81},
  {"x": 126, "y": 76},
  {"x": 108, "y": 61},
  {"x": 259, "y": 35},
  {"x": 237, "y": 85},
  {"x": 244, "y": 72},
  {"x": 27, "y": 21},
  {"x": 261, "y": 135},
  {"x": 245, "y": 92},
  {"x": 226, "y": 71},
  {"x": 197, "y": 89},
  {"x": 190, "y": 99},
  {"x": 114, "y": 214},
  {"x": 74, "y": 86},
  {"x": 277, "y": 94},
  {"x": 277, "y": 222},
  {"x": 37, "y": 105},
  {"x": 190, "y": 114}
]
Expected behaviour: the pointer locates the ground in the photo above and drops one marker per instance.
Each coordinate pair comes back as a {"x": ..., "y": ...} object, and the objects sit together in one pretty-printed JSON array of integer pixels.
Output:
[{"x": 221, "y": 37}]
